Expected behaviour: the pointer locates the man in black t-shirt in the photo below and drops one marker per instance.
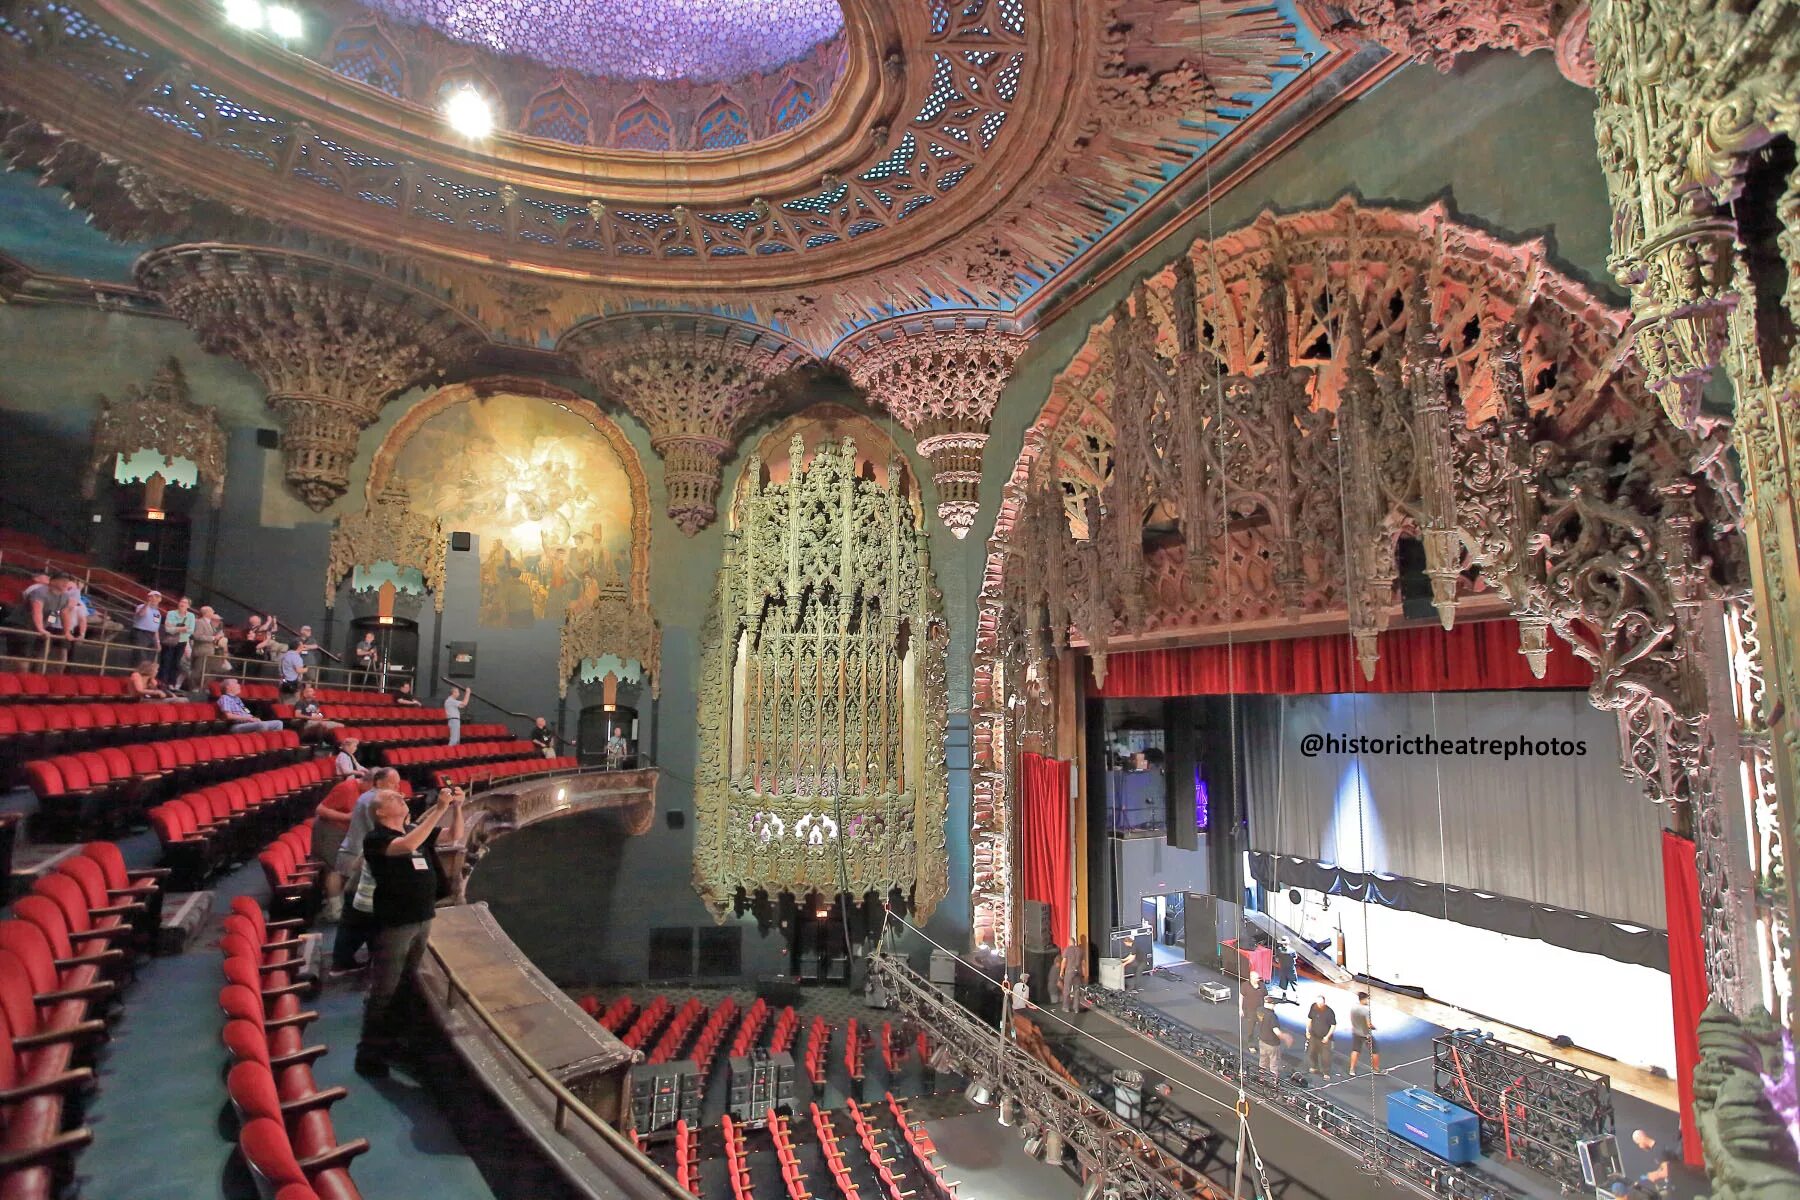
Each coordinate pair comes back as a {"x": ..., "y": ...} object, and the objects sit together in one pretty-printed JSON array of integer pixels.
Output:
[
  {"x": 402, "y": 864},
  {"x": 544, "y": 738},
  {"x": 1321, "y": 1019}
]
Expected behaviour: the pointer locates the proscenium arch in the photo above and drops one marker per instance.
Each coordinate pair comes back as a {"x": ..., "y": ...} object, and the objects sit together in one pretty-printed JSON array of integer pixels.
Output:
[
  {"x": 382, "y": 465},
  {"x": 1576, "y": 386}
]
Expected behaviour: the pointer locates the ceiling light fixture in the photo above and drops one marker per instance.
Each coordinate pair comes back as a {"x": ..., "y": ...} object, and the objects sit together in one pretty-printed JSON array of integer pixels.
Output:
[
  {"x": 284, "y": 22},
  {"x": 245, "y": 14},
  {"x": 467, "y": 112}
]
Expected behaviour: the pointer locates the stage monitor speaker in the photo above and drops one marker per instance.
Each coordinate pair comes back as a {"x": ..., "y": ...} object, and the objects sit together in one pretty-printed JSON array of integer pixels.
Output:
[
  {"x": 720, "y": 951},
  {"x": 462, "y": 660},
  {"x": 1034, "y": 915},
  {"x": 672, "y": 953},
  {"x": 462, "y": 540}
]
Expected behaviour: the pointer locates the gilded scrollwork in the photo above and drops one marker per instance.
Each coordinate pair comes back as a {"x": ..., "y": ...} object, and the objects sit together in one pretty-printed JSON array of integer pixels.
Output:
[
  {"x": 606, "y": 619},
  {"x": 822, "y": 693},
  {"x": 160, "y": 417},
  {"x": 388, "y": 530}
]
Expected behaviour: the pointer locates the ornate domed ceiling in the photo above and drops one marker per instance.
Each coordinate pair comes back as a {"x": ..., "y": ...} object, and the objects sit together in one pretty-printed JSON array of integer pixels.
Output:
[{"x": 699, "y": 40}]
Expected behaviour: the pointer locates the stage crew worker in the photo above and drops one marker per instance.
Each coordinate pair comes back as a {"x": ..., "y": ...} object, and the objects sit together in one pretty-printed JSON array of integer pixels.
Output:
[
  {"x": 1321, "y": 1019},
  {"x": 1068, "y": 976},
  {"x": 1362, "y": 1035},
  {"x": 408, "y": 882}
]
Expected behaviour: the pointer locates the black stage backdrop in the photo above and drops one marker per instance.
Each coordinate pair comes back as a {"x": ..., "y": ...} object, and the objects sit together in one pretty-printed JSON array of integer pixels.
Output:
[{"x": 1547, "y": 826}]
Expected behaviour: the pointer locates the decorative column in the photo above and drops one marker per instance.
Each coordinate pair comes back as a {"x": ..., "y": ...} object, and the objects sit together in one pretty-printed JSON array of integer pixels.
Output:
[
  {"x": 1699, "y": 106},
  {"x": 330, "y": 343},
  {"x": 695, "y": 382},
  {"x": 940, "y": 378}
]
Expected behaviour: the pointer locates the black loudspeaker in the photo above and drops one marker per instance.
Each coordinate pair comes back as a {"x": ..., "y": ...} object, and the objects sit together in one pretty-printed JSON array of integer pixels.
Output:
[
  {"x": 675, "y": 820},
  {"x": 672, "y": 953},
  {"x": 268, "y": 439},
  {"x": 1035, "y": 917},
  {"x": 721, "y": 951},
  {"x": 779, "y": 992},
  {"x": 462, "y": 660},
  {"x": 1042, "y": 965},
  {"x": 461, "y": 540},
  {"x": 1200, "y": 917}
]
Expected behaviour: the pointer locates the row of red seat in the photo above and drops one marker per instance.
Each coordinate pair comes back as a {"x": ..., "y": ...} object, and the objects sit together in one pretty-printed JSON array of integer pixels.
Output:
[
  {"x": 26, "y": 687},
  {"x": 834, "y": 1154},
  {"x": 737, "y": 1162},
  {"x": 362, "y": 714},
  {"x": 114, "y": 784},
  {"x": 414, "y": 735},
  {"x": 203, "y": 830},
  {"x": 853, "y": 1051},
  {"x": 466, "y": 753},
  {"x": 754, "y": 1016},
  {"x": 667, "y": 1047},
  {"x": 65, "y": 953},
  {"x": 787, "y": 1026},
  {"x": 687, "y": 1158},
  {"x": 792, "y": 1178},
  {"x": 285, "y": 1130},
  {"x": 649, "y": 1020},
  {"x": 268, "y": 693},
  {"x": 512, "y": 768},
  {"x": 27, "y": 730},
  {"x": 923, "y": 1149},
  {"x": 818, "y": 1037},
  {"x": 712, "y": 1036},
  {"x": 880, "y": 1154},
  {"x": 293, "y": 875},
  {"x": 616, "y": 1014}
]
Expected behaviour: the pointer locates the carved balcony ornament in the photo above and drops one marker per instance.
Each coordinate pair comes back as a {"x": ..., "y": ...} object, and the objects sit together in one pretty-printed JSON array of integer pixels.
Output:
[
  {"x": 389, "y": 530},
  {"x": 160, "y": 418},
  {"x": 941, "y": 378},
  {"x": 330, "y": 343},
  {"x": 695, "y": 382},
  {"x": 1440, "y": 33},
  {"x": 822, "y": 692},
  {"x": 608, "y": 619}
]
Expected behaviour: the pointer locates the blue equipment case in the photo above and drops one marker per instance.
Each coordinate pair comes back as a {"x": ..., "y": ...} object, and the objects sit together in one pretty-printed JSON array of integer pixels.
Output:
[{"x": 1432, "y": 1123}]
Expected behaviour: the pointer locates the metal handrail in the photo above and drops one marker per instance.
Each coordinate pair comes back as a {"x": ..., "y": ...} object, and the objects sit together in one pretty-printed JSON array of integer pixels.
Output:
[
  {"x": 567, "y": 1102},
  {"x": 129, "y": 654}
]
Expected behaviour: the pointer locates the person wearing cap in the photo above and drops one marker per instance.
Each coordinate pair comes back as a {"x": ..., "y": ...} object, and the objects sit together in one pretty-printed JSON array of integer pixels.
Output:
[{"x": 146, "y": 621}]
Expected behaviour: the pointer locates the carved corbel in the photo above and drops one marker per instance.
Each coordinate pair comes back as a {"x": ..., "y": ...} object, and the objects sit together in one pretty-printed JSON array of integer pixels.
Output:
[
  {"x": 160, "y": 417},
  {"x": 389, "y": 530}
]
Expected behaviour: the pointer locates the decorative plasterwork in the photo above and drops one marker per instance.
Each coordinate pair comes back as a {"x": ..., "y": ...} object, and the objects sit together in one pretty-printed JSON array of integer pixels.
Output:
[
  {"x": 160, "y": 417},
  {"x": 605, "y": 620},
  {"x": 695, "y": 383},
  {"x": 1440, "y": 33},
  {"x": 997, "y": 135},
  {"x": 389, "y": 530},
  {"x": 822, "y": 694},
  {"x": 1750, "y": 1150},
  {"x": 1698, "y": 115},
  {"x": 330, "y": 343},
  {"x": 940, "y": 378},
  {"x": 1244, "y": 442}
]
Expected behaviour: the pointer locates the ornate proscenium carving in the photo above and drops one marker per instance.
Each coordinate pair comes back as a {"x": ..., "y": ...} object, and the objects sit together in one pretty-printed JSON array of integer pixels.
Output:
[
  {"x": 822, "y": 693},
  {"x": 695, "y": 382},
  {"x": 330, "y": 343},
  {"x": 389, "y": 530},
  {"x": 160, "y": 417},
  {"x": 1697, "y": 121},
  {"x": 1251, "y": 436},
  {"x": 940, "y": 378}
]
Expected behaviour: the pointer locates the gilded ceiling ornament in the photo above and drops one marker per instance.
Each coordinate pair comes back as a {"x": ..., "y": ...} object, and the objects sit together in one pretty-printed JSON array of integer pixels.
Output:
[
  {"x": 389, "y": 530},
  {"x": 822, "y": 693},
  {"x": 332, "y": 344},
  {"x": 607, "y": 620},
  {"x": 695, "y": 383},
  {"x": 160, "y": 417},
  {"x": 940, "y": 379},
  {"x": 1440, "y": 33}
]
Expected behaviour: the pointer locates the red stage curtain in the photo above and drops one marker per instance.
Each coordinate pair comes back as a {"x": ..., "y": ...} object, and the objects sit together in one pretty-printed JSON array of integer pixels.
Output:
[
  {"x": 1044, "y": 838},
  {"x": 1687, "y": 976},
  {"x": 1474, "y": 656}
]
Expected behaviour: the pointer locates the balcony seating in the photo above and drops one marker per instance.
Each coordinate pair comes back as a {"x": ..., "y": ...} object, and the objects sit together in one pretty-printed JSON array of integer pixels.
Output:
[
  {"x": 268, "y": 693},
  {"x": 510, "y": 769},
  {"x": 362, "y": 714},
  {"x": 294, "y": 880},
  {"x": 205, "y": 829},
  {"x": 33, "y": 730},
  {"x": 416, "y": 761}
]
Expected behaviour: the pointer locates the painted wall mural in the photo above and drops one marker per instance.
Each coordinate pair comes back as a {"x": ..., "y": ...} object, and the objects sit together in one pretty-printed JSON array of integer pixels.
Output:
[{"x": 547, "y": 496}]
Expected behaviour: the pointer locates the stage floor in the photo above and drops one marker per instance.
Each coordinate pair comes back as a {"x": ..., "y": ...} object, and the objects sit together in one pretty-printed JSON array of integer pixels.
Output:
[{"x": 1405, "y": 1040}]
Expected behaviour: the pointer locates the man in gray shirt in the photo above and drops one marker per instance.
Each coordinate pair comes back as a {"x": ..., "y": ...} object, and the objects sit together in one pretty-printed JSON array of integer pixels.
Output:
[
  {"x": 1362, "y": 1033},
  {"x": 39, "y": 611},
  {"x": 354, "y": 928}
]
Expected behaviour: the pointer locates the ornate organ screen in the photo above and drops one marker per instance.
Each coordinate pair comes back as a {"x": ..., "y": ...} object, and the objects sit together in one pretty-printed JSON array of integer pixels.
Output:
[{"x": 822, "y": 694}]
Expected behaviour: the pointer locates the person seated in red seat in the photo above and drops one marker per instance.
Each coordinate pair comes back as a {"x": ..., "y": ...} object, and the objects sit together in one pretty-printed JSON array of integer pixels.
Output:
[
  {"x": 345, "y": 765},
  {"x": 308, "y": 710},
  {"x": 403, "y": 695},
  {"x": 544, "y": 738},
  {"x": 233, "y": 708},
  {"x": 143, "y": 681}
]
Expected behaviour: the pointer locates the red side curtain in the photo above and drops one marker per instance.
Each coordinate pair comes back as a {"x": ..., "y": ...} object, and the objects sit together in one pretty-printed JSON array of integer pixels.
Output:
[
  {"x": 1474, "y": 656},
  {"x": 1687, "y": 976},
  {"x": 1044, "y": 838}
]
